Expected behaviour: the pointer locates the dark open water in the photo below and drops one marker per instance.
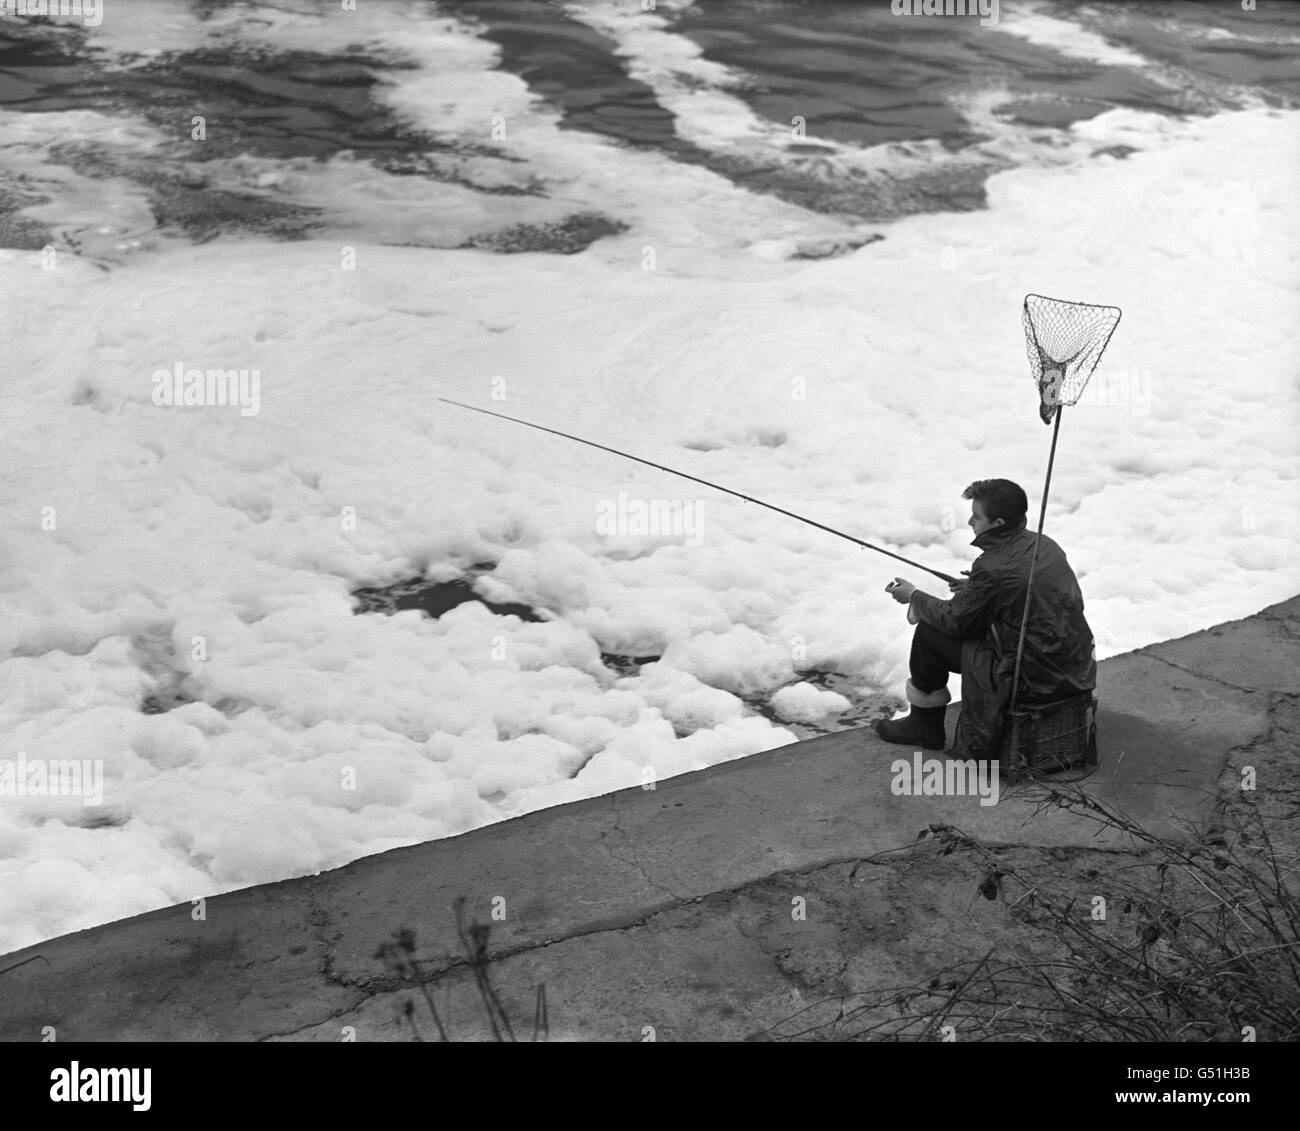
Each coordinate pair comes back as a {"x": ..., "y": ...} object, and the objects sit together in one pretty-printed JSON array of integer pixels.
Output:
[{"x": 858, "y": 75}]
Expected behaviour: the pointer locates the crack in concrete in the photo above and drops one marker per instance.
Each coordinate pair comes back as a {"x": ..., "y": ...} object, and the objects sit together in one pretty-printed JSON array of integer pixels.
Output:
[
  {"x": 384, "y": 984},
  {"x": 320, "y": 921},
  {"x": 318, "y": 918},
  {"x": 380, "y": 984},
  {"x": 635, "y": 861},
  {"x": 333, "y": 1015},
  {"x": 1227, "y": 763},
  {"x": 640, "y": 917},
  {"x": 1204, "y": 676}
]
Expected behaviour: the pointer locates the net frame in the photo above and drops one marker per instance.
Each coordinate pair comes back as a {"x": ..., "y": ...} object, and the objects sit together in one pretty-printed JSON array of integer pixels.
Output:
[{"x": 1064, "y": 341}]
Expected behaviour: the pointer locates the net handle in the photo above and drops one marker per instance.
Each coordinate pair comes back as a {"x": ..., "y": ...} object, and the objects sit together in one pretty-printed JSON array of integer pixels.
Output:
[{"x": 1033, "y": 562}]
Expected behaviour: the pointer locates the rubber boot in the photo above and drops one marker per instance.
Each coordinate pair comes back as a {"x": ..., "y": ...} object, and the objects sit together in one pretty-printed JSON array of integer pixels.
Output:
[{"x": 923, "y": 725}]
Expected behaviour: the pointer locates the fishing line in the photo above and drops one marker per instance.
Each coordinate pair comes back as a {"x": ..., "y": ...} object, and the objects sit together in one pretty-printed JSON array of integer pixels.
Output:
[{"x": 704, "y": 482}]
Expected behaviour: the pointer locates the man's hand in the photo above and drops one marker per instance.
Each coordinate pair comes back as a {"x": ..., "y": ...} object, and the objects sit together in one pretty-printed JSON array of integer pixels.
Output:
[
  {"x": 957, "y": 586},
  {"x": 901, "y": 590}
]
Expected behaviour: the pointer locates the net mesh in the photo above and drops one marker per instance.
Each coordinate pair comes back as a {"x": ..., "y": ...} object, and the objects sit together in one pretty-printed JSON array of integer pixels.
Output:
[{"x": 1065, "y": 341}]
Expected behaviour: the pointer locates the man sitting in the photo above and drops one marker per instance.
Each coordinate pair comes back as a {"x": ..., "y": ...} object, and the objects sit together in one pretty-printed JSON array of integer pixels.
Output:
[{"x": 976, "y": 632}]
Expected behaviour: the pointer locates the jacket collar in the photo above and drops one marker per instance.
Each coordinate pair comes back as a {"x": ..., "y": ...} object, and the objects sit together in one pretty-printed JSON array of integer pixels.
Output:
[{"x": 997, "y": 536}]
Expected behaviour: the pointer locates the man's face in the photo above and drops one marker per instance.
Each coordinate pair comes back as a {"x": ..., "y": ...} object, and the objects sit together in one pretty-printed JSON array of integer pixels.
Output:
[{"x": 979, "y": 521}]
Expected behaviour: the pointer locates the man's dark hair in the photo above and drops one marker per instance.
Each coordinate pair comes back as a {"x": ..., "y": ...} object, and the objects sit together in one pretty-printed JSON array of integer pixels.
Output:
[{"x": 1000, "y": 498}]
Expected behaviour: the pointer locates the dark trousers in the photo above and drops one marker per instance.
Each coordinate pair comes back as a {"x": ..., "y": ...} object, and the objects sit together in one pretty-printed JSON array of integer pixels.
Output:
[{"x": 934, "y": 655}]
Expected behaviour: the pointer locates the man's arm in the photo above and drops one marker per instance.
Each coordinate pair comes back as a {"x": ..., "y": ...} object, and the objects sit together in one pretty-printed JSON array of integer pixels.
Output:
[{"x": 967, "y": 614}]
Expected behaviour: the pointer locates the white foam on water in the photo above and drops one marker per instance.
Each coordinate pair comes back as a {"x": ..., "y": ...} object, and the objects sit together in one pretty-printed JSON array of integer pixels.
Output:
[
  {"x": 705, "y": 100},
  {"x": 1033, "y": 23},
  {"x": 103, "y": 217},
  {"x": 695, "y": 90},
  {"x": 703, "y": 97},
  {"x": 143, "y": 543},
  {"x": 445, "y": 85},
  {"x": 1083, "y": 35}
]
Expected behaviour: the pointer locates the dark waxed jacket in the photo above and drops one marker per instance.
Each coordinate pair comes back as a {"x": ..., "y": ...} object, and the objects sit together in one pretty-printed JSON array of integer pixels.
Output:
[{"x": 985, "y": 614}]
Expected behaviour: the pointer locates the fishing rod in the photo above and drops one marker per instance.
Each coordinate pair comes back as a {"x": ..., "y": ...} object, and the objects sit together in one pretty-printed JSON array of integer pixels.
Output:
[{"x": 705, "y": 482}]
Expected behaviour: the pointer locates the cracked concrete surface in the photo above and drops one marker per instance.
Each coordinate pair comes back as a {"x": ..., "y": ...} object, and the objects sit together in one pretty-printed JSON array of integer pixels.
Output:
[{"x": 719, "y": 905}]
